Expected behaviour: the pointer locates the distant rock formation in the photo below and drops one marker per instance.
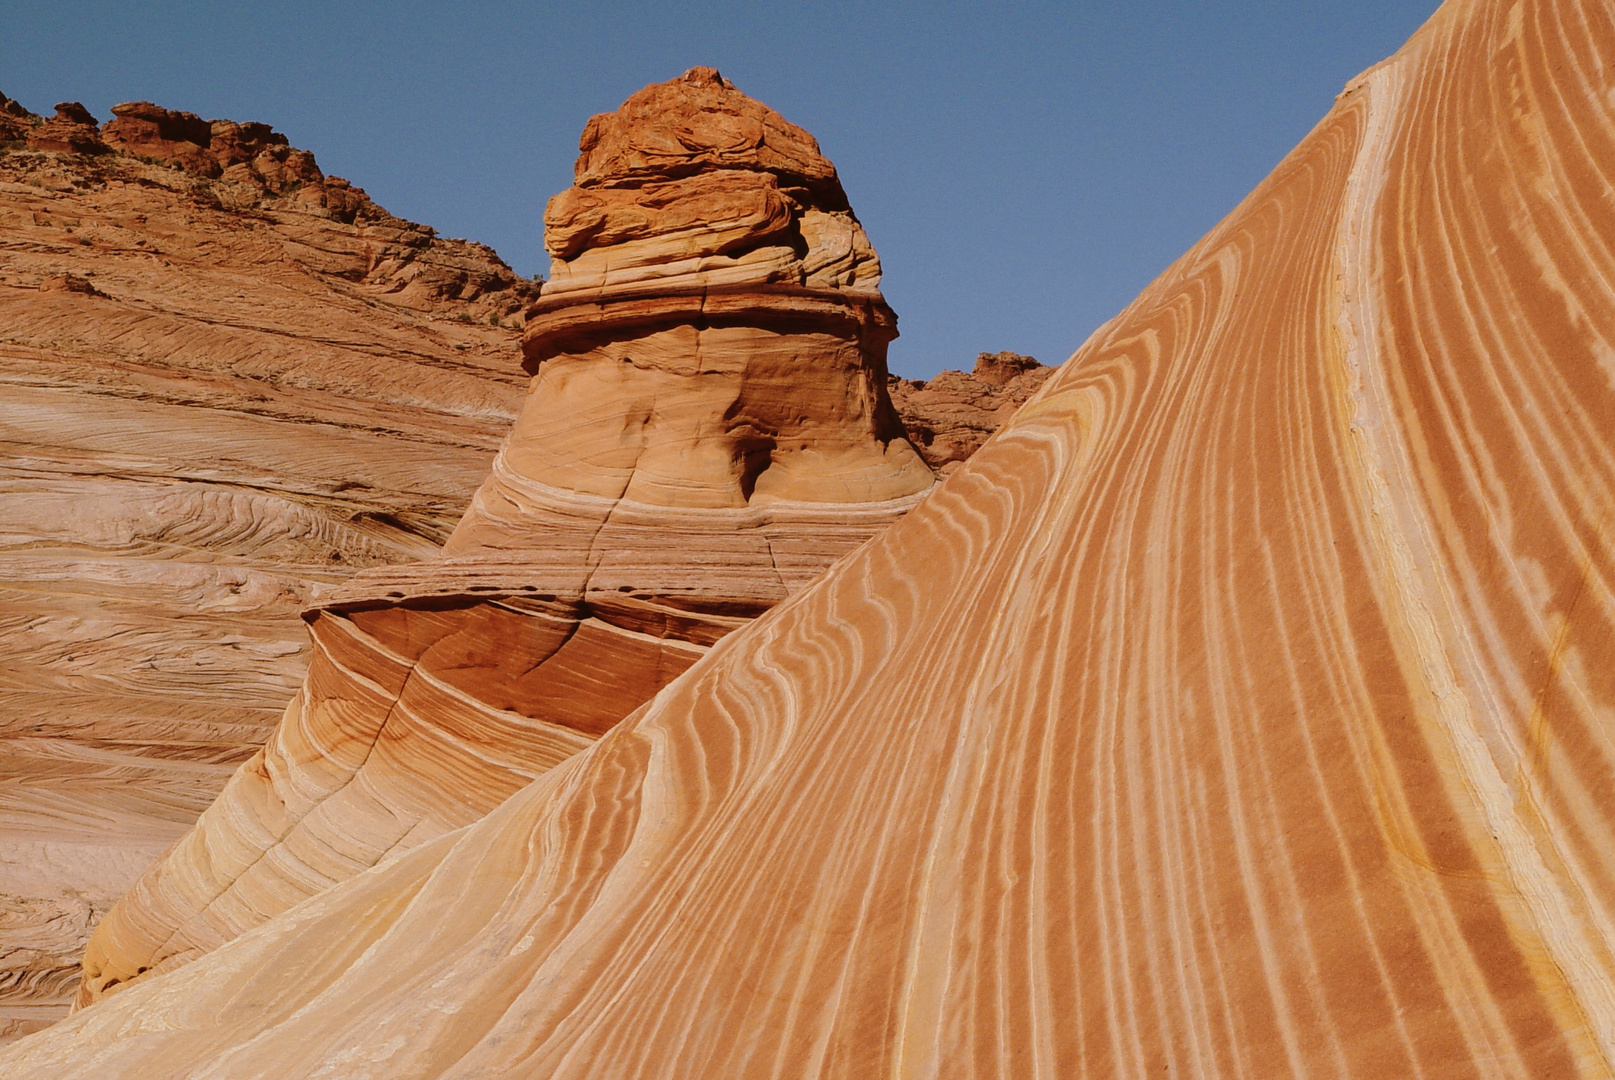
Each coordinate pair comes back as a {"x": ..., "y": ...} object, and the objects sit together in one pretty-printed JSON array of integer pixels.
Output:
[
  {"x": 71, "y": 131},
  {"x": 254, "y": 169},
  {"x": 220, "y": 386},
  {"x": 1244, "y": 709},
  {"x": 949, "y": 416},
  {"x": 707, "y": 430}
]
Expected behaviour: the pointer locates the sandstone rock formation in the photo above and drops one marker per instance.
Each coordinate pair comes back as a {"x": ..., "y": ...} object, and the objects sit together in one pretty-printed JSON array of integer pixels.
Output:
[
  {"x": 71, "y": 131},
  {"x": 949, "y": 417},
  {"x": 215, "y": 394},
  {"x": 1242, "y": 709},
  {"x": 706, "y": 432}
]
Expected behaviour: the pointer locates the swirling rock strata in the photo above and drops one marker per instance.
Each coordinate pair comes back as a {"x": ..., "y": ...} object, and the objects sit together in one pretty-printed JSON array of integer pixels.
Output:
[
  {"x": 1243, "y": 708},
  {"x": 216, "y": 393},
  {"x": 707, "y": 430}
]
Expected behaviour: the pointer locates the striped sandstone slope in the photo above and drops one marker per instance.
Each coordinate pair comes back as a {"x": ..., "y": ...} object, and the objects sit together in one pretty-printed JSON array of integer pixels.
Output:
[
  {"x": 1243, "y": 709},
  {"x": 220, "y": 385},
  {"x": 707, "y": 431}
]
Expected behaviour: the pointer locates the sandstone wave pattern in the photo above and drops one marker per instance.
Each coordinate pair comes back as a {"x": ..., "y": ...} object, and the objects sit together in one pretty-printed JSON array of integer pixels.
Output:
[
  {"x": 1242, "y": 709},
  {"x": 225, "y": 379},
  {"x": 707, "y": 430}
]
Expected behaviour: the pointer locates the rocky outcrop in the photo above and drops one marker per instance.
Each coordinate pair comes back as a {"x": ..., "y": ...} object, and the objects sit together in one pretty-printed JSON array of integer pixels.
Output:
[
  {"x": 215, "y": 395},
  {"x": 706, "y": 431},
  {"x": 15, "y": 119},
  {"x": 71, "y": 131},
  {"x": 251, "y": 154},
  {"x": 949, "y": 417},
  {"x": 1242, "y": 709}
]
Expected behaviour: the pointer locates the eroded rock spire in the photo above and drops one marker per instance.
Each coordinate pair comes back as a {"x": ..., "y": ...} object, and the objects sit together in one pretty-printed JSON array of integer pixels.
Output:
[{"x": 707, "y": 430}]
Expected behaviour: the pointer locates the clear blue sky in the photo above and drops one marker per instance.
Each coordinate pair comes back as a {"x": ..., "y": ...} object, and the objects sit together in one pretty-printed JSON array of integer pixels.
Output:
[{"x": 1023, "y": 169}]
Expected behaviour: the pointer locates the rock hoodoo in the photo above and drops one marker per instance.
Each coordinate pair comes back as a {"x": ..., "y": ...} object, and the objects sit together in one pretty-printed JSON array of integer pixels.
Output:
[
  {"x": 706, "y": 431},
  {"x": 1246, "y": 708}
]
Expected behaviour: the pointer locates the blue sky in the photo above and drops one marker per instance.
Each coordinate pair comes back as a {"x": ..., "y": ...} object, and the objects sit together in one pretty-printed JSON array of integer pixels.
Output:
[{"x": 1023, "y": 169}]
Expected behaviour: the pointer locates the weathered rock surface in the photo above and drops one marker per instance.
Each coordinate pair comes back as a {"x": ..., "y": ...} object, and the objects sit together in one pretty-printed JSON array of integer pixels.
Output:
[
  {"x": 1243, "y": 709},
  {"x": 707, "y": 430},
  {"x": 949, "y": 417},
  {"x": 71, "y": 131},
  {"x": 692, "y": 185},
  {"x": 215, "y": 394}
]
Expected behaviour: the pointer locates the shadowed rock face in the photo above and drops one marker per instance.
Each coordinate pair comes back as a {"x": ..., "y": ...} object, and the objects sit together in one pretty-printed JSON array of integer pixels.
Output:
[
  {"x": 706, "y": 431},
  {"x": 215, "y": 394},
  {"x": 949, "y": 416},
  {"x": 1243, "y": 709}
]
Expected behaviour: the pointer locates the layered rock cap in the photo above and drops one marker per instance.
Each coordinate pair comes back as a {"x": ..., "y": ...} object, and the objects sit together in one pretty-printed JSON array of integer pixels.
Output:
[
  {"x": 707, "y": 430},
  {"x": 692, "y": 183}
]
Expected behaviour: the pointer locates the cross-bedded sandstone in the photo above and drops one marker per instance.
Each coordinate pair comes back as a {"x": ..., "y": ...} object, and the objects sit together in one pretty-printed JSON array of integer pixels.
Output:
[{"x": 219, "y": 388}]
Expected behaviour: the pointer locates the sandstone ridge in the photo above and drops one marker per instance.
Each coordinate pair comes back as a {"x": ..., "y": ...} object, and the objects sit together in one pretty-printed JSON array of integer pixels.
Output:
[{"x": 253, "y": 168}]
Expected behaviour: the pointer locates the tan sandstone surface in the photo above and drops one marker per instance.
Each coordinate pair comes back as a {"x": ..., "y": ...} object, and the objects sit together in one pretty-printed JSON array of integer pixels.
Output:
[
  {"x": 1245, "y": 708},
  {"x": 707, "y": 430},
  {"x": 221, "y": 384}
]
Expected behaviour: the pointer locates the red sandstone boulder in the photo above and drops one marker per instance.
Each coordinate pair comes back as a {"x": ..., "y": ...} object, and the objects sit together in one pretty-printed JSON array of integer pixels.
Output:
[
  {"x": 74, "y": 113},
  {"x": 232, "y": 143},
  {"x": 14, "y": 119},
  {"x": 70, "y": 283},
  {"x": 151, "y": 131}
]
